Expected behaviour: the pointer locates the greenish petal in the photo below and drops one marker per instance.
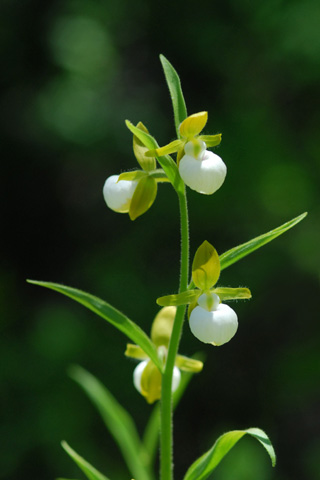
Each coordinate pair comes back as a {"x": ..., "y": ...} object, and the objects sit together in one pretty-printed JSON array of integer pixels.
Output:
[
  {"x": 167, "y": 149},
  {"x": 206, "y": 266},
  {"x": 177, "y": 299},
  {"x": 188, "y": 364},
  {"x": 147, "y": 163},
  {"x": 211, "y": 140},
  {"x": 143, "y": 197},
  {"x": 134, "y": 351},
  {"x": 151, "y": 383},
  {"x": 225, "y": 293}
]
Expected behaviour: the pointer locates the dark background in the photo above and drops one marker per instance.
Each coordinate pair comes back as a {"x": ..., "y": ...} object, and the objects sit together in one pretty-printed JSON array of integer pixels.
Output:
[{"x": 72, "y": 72}]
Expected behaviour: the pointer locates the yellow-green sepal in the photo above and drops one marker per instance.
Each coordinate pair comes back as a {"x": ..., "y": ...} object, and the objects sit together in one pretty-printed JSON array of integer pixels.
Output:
[
  {"x": 143, "y": 197},
  {"x": 211, "y": 140},
  {"x": 134, "y": 351},
  {"x": 146, "y": 162},
  {"x": 151, "y": 383},
  {"x": 167, "y": 149},
  {"x": 206, "y": 266},
  {"x": 183, "y": 298},
  {"x": 188, "y": 364},
  {"x": 162, "y": 326},
  {"x": 226, "y": 293},
  {"x": 133, "y": 175},
  {"x": 192, "y": 125}
]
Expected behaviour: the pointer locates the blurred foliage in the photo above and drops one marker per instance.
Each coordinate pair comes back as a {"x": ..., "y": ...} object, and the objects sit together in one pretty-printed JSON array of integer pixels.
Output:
[{"x": 72, "y": 72}]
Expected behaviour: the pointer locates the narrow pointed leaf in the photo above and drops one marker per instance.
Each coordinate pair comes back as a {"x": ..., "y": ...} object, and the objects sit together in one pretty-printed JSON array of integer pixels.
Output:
[
  {"x": 174, "y": 84},
  {"x": 236, "y": 253},
  {"x": 211, "y": 140},
  {"x": 146, "y": 162},
  {"x": 109, "y": 313},
  {"x": 177, "y": 299},
  {"x": 116, "y": 418},
  {"x": 206, "y": 266},
  {"x": 134, "y": 175},
  {"x": 166, "y": 162},
  {"x": 90, "y": 472},
  {"x": 204, "y": 466},
  {"x": 143, "y": 197},
  {"x": 226, "y": 293}
]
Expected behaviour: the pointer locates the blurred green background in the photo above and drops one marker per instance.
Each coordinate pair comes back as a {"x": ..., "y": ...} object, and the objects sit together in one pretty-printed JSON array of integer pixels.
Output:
[{"x": 72, "y": 71}]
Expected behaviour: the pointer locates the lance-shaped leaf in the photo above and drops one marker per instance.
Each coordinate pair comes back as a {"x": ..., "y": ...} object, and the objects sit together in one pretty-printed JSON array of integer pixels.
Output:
[
  {"x": 206, "y": 266},
  {"x": 204, "y": 466},
  {"x": 90, "y": 472},
  {"x": 117, "y": 419},
  {"x": 109, "y": 313},
  {"x": 166, "y": 162},
  {"x": 146, "y": 162},
  {"x": 183, "y": 298},
  {"x": 193, "y": 125},
  {"x": 174, "y": 84},
  {"x": 226, "y": 293},
  {"x": 236, "y": 253},
  {"x": 143, "y": 197}
]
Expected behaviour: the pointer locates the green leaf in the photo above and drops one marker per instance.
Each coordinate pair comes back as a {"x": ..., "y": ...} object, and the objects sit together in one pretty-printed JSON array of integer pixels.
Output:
[
  {"x": 204, "y": 466},
  {"x": 177, "y": 299},
  {"x": 143, "y": 197},
  {"x": 236, "y": 253},
  {"x": 90, "y": 472},
  {"x": 166, "y": 162},
  {"x": 205, "y": 266},
  {"x": 140, "y": 150},
  {"x": 174, "y": 84},
  {"x": 226, "y": 293},
  {"x": 109, "y": 313},
  {"x": 117, "y": 420}
]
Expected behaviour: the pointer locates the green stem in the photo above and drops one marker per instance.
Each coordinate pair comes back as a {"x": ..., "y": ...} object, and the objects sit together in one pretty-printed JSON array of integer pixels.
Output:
[{"x": 166, "y": 441}]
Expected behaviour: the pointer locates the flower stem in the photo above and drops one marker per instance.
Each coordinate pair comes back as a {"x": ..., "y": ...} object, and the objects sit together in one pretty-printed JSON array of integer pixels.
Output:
[{"x": 166, "y": 440}]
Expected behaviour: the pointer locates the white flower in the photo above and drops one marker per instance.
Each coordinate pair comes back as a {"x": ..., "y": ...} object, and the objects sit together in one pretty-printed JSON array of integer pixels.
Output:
[
  {"x": 202, "y": 171},
  {"x": 118, "y": 195},
  {"x": 213, "y": 322}
]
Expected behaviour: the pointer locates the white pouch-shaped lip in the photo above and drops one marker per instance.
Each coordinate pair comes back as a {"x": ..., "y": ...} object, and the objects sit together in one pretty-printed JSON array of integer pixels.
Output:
[
  {"x": 204, "y": 173},
  {"x": 216, "y": 327},
  {"x": 118, "y": 195}
]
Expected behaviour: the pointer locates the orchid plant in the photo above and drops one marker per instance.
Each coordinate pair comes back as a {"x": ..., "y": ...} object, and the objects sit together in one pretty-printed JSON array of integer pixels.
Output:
[{"x": 157, "y": 375}]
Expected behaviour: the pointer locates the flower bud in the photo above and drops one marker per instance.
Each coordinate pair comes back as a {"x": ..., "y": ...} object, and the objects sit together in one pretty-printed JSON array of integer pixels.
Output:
[
  {"x": 118, "y": 195},
  {"x": 216, "y": 326},
  {"x": 201, "y": 169},
  {"x": 147, "y": 380}
]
